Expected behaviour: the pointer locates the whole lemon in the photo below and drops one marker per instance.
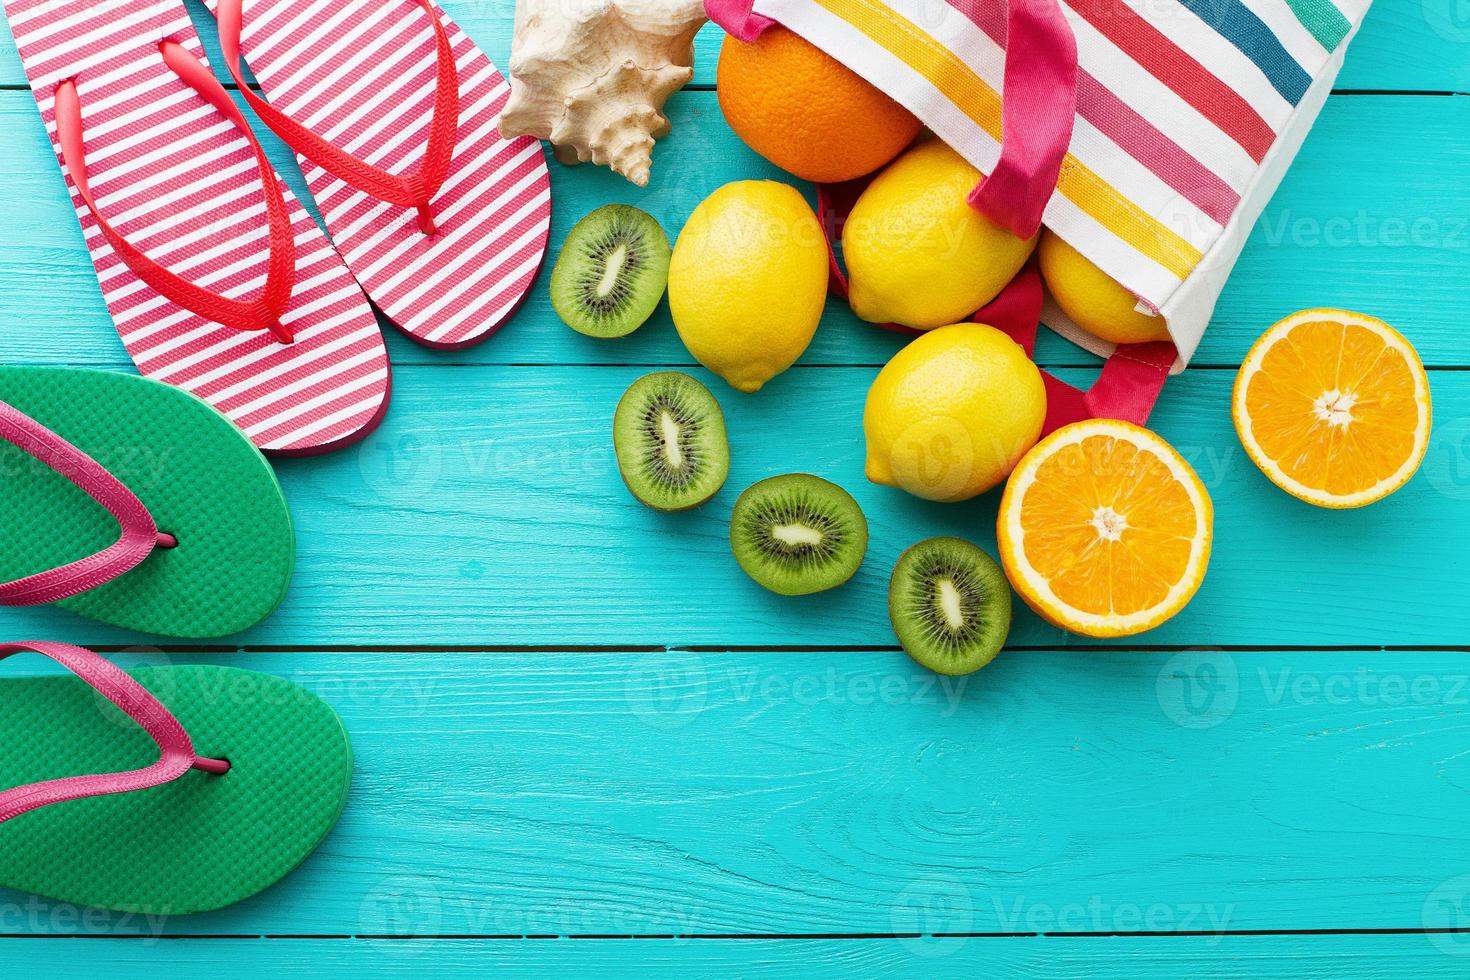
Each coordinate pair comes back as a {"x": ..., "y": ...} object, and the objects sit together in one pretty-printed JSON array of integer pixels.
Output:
[
  {"x": 805, "y": 111},
  {"x": 747, "y": 281},
  {"x": 953, "y": 412},
  {"x": 917, "y": 253},
  {"x": 1094, "y": 300}
]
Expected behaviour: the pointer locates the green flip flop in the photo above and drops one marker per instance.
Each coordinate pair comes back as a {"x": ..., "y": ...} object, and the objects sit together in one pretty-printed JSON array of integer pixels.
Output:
[
  {"x": 219, "y": 782},
  {"x": 206, "y": 547}
]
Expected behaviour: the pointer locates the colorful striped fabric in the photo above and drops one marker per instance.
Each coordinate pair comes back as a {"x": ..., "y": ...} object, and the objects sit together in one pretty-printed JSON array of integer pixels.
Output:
[{"x": 1182, "y": 105}]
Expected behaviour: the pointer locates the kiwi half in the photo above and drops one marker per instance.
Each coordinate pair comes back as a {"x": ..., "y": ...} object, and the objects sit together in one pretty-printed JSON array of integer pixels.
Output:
[
  {"x": 611, "y": 272},
  {"x": 669, "y": 435},
  {"x": 950, "y": 605},
  {"x": 797, "y": 534}
]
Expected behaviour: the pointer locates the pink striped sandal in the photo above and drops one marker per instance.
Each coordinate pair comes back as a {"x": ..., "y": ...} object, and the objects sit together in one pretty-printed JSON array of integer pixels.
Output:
[
  {"x": 394, "y": 114},
  {"x": 219, "y": 281}
]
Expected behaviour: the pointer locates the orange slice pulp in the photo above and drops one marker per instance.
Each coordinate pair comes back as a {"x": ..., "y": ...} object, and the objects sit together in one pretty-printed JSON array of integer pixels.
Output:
[
  {"x": 1104, "y": 529},
  {"x": 1333, "y": 407}
]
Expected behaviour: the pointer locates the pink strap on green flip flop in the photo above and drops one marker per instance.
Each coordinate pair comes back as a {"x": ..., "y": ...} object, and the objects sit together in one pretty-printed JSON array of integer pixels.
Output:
[
  {"x": 176, "y": 749},
  {"x": 139, "y": 533}
]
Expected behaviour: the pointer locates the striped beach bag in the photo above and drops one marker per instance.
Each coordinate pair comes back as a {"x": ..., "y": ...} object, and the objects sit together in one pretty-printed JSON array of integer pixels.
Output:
[{"x": 1149, "y": 134}]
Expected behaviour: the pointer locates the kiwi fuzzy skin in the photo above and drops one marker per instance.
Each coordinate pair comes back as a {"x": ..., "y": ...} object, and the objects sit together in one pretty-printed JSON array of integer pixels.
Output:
[
  {"x": 988, "y": 570},
  {"x": 791, "y": 582},
  {"x": 628, "y": 455}
]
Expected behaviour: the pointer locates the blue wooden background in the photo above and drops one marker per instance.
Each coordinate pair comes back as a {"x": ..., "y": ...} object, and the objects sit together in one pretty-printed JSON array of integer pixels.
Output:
[{"x": 587, "y": 744}]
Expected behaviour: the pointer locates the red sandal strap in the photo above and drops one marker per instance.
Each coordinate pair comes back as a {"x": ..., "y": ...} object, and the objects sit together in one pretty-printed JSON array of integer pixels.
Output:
[
  {"x": 413, "y": 190},
  {"x": 176, "y": 749},
  {"x": 263, "y": 313},
  {"x": 139, "y": 534}
]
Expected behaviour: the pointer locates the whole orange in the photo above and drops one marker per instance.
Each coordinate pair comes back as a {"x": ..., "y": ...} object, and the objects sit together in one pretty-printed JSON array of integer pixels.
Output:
[{"x": 806, "y": 112}]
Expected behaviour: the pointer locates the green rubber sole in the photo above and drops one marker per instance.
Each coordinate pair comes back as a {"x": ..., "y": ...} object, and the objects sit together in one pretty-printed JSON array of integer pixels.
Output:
[
  {"x": 199, "y": 843},
  {"x": 200, "y": 477}
]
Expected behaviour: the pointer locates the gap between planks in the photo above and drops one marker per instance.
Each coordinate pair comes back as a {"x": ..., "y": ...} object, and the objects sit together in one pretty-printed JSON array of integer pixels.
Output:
[
  {"x": 502, "y": 649},
  {"x": 761, "y": 937}
]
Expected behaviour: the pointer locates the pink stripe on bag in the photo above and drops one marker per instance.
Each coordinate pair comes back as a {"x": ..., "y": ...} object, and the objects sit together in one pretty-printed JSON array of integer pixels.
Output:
[{"x": 1134, "y": 134}]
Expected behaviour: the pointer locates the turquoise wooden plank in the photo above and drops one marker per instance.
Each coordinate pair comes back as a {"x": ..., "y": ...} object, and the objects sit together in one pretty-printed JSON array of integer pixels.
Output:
[
  {"x": 1412, "y": 45},
  {"x": 1156, "y": 958},
  {"x": 851, "y": 792},
  {"x": 495, "y": 491},
  {"x": 1387, "y": 234}
]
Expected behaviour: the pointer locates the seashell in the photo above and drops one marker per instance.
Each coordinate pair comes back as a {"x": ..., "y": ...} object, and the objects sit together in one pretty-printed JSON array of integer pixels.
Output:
[{"x": 592, "y": 76}]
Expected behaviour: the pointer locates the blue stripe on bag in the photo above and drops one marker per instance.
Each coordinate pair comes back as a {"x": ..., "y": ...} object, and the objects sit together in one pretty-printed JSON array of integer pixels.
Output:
[{"x": 1233, "y": 21}]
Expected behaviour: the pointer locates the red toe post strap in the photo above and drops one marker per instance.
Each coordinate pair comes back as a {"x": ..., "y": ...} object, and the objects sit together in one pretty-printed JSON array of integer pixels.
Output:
[
  {"x": 263, "y": 313},
  {"x": 176, "y": 749},
  {"x": 413, "y": 190},
  {"x": 139, "y": 534},
  {"x": 1130, "y": 382}
]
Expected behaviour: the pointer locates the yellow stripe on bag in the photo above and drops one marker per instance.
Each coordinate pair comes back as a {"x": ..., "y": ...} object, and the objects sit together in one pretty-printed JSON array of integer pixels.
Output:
[{"x": 958, "y": 83}]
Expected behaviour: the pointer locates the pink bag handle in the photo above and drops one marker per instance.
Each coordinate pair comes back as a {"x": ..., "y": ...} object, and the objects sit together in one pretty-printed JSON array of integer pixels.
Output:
[
  {"x": 1038, "y": 109},
  {"x": 1038, "y": 106},
  {"x": 1130, "y": 381},
  {"x": 139, "y": 534},
  {"x": 176, "y": 750}
]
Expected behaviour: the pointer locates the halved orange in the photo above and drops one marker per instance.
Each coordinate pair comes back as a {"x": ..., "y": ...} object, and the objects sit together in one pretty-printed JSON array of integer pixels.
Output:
[
  {"x": 1104, "y": 529},
  {"x": 1333, "y": 407}
]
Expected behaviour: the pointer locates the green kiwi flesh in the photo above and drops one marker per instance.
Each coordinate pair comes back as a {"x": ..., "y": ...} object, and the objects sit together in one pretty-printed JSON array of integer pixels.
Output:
[
  {"x": 950, "y": 605},
  {"x": 669, "y": 436},
  {"x": 797, "y": 534},
  {"x": 611, "y": 272}
]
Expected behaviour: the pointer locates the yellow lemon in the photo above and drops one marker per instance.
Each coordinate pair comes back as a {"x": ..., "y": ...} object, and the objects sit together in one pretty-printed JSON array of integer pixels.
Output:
[
  {"x": 747, "y": 281},
  {"x": 952, "y": 413},
  {"x": 916, "y": 252},
  {"x": 1094, "y": 300}
]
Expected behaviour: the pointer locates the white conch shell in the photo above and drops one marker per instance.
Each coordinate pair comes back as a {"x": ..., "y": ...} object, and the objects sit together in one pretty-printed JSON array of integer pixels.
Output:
[{"x": 592, "y": 76}]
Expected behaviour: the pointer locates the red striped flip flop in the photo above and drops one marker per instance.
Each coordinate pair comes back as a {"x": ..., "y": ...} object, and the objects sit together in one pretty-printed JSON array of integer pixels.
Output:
[
  {"x": 218, "y": 279},
  {"x": 394, "y": 114}
]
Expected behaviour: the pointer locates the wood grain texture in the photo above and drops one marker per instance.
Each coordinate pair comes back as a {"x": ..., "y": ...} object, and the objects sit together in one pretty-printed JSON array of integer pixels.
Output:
[
  {"x": 1160, "y": 958},
  {"x": 488, "y": 510},
  {"x": 679, "y": 793},
  {"x": 816, "y": 788},
  {"x": 1369, "y": 218}
]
